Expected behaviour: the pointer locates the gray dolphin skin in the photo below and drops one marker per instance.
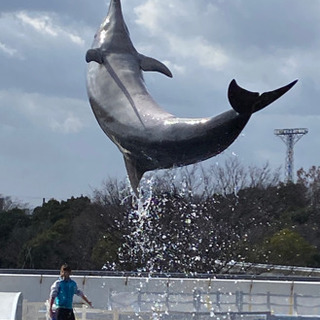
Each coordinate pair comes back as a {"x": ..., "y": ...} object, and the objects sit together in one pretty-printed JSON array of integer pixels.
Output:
[{"x": 149, "y": 137}]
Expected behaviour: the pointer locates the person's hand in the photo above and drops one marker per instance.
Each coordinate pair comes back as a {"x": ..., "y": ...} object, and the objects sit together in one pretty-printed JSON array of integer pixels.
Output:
[
  {"x": 51, "y": 313},
  {"x": 90, "y": 304}
]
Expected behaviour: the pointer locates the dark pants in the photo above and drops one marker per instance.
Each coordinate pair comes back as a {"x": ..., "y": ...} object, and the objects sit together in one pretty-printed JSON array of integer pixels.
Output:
[{"x": 64, "y": 314}]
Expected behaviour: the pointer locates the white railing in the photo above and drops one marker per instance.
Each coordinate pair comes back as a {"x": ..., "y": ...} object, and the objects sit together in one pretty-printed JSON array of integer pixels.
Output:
[
  {"x": 134, "y": 295},
  {"x": 37, "y": 311}
]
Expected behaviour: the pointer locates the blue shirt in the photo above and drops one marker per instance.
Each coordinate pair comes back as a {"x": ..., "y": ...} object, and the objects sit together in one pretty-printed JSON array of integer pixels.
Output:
[{"x": 63, "y": 292}]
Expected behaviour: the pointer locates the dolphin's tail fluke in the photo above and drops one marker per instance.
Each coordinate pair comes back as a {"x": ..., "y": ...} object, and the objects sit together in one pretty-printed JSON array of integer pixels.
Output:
[{"x": 247, "y": 102}]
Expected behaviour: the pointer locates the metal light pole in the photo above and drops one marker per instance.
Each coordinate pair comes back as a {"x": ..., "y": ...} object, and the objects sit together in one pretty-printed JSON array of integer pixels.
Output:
[{"x": 290, "y": 137}]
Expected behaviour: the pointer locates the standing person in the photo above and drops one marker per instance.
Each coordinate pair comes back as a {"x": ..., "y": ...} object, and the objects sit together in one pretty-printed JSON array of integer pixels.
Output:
[{"x": 62, "y": 292}]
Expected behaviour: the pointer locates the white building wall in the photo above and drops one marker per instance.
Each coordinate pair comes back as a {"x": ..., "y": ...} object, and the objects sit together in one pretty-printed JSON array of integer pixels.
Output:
[{"x": 178, "y": 295}]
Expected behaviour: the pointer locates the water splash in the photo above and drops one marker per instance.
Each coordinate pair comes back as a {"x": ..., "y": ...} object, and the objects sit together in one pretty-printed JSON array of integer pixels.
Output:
[{"x": 173, "y": 232}]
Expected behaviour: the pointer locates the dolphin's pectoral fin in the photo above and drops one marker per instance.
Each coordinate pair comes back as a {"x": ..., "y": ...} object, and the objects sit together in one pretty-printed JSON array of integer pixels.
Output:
[
  {"x": 94, "y": 55},
  {"x": 151, "y": 64},
  {"x": 244, "y": 101},
  {"x": 134, "y": 174}
]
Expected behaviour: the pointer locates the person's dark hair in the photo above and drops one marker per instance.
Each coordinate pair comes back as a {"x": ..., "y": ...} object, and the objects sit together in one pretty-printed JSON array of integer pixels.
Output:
[{"x": 65, "y": 267}]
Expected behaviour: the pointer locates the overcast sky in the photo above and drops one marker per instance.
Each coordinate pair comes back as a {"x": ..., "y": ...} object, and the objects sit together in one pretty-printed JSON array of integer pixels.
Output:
[{"x": 50, "y": 143}]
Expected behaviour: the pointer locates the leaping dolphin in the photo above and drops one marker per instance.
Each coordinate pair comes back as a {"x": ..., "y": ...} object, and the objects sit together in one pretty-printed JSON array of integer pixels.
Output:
[{"x": 149, "y": 137}]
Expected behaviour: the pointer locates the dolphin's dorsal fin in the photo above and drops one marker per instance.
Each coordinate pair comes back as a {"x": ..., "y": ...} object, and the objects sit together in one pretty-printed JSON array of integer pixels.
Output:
[
  {"x": 151, "y": 64},
  {"x": 247, "y": 102},
  {"x": 94, "y": 55},
  {"x": 134, "y": 174}
]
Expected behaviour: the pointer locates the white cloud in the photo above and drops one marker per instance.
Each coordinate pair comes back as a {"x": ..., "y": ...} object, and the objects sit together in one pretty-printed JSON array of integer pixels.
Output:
[
  {"x": 149, "y": 15},
  {"x": 8, "y": 50},
  {"x": 59, "y": 114},
  {"x": 69, "y": 124},
  {"x": 198, "y": 49},
  {"x": 176, "y": 67},
  {"x": 48, "y": 25},
  {"x": 161, "y": 20},
  {"x": 76, "y": 39},
  {"x": 42, "y": 24}
]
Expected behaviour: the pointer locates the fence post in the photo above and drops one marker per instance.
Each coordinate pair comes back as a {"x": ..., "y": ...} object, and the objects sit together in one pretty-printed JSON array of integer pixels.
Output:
[
  {"x": 218, "y": 295},
  {"x": 269, "y": 301},
  {"x": 295, "y": 303},
  {"x": 115, "y": 315},
  {"x": 197, "y": 300},
  {"x": 84, "y": 312},
  {"x": 239, "y": 300}
]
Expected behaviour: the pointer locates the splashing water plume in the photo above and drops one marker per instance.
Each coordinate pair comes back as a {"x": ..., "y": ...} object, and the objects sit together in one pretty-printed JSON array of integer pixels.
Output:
[{"x": 168, "y": 231}]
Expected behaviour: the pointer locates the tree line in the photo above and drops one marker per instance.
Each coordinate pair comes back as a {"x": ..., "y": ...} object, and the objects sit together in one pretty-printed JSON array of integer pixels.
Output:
[{"x": 185, "y": 220}]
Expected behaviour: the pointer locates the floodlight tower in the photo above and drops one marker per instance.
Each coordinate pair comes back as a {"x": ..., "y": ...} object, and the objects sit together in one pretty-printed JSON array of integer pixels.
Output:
[{"x": 290, "y": 137}]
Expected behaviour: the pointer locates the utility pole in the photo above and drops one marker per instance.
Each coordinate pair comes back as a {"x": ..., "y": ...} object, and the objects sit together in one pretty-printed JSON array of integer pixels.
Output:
[{"x": 290, "y": 137}]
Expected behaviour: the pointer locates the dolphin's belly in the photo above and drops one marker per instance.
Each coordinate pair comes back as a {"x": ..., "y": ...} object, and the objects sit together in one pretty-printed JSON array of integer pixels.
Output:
[
  {"x": 121, "y": 102},
  {"x": 136, "y": 124},
  {"x": 184, "y": 143},
  {"x": 142, "y": 130}
]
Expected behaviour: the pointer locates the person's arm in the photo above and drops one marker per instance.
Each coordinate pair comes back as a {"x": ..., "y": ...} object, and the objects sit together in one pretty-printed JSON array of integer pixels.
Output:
[
  {"x": 53, "y": 294},
  {"x": 50, "y": 306},
  {"x": 86, "y": 299},
  {"x": 82, "y": 295}
]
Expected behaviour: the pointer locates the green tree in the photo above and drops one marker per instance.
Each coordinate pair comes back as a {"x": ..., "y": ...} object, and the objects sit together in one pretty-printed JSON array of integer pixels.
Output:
[
  {"x": 51, "y": 231},
  {"x": 13, "y": 224},
  {"x": 288, "y": 247}
]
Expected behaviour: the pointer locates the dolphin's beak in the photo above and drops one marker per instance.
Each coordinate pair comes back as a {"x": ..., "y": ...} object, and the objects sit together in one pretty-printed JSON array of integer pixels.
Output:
[
  {"x": 114, "y": 18},
  {"x": 115, "y": 11},
  {"x": 115, "y": 4}
]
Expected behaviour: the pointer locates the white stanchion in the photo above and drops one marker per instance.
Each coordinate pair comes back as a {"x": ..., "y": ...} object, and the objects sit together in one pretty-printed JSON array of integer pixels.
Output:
[{"x": 11, "y": 305}]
